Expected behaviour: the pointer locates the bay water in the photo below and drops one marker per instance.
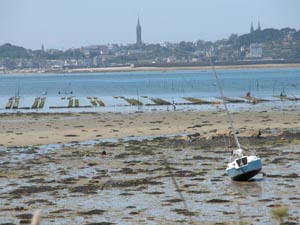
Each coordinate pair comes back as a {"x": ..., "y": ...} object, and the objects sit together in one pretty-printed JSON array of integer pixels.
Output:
[{"x": 144, "y": 85}]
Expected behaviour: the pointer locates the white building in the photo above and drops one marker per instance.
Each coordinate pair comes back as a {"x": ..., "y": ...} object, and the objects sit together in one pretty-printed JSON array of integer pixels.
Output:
[{"x": 255, "y": 51}]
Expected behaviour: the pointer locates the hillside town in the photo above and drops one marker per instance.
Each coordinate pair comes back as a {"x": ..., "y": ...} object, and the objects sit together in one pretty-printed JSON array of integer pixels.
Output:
[{"x": 256, "y": 47}]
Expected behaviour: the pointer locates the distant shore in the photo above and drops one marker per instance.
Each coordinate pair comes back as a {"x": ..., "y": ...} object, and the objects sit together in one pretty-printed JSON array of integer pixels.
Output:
[{"x": 152, "y": 68}]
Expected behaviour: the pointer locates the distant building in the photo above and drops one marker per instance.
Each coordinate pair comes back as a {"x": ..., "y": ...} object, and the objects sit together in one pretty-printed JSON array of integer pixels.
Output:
[
  {"x": 138, "y": 33},
  {"x": 136, "y": 52},
  {"x": 52, "y": 51},
  {"x": 255, "y": 51},
  {"x": 251, "y": 28},
  {"x": 97, "y": 61},
  {"x": 258, "y": 26},
  {"x": 90, "y": 50}
]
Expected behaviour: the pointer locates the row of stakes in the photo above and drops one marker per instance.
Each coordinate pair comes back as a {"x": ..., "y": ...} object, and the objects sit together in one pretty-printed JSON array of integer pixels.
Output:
[
  {"x": 13, "y": 103},
  {"x": 39, "y": 102}
]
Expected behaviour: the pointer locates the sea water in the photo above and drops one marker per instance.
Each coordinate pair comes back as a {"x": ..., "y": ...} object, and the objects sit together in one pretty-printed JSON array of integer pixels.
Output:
[{"x": 168, "y": 85}]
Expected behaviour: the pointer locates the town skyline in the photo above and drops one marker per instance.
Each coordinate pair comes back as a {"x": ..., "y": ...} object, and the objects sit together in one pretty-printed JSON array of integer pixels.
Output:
[
  {"x": 68, "y": 24},
  {"x": 137, "y": 43}
]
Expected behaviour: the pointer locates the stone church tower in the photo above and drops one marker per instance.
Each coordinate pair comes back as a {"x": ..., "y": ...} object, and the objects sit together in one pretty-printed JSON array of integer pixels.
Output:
[{"x": 138, "y": 33}]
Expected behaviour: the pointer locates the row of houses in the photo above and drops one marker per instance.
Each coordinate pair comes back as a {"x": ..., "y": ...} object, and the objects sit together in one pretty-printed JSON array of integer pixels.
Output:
[{"x": 107, "y": 55}]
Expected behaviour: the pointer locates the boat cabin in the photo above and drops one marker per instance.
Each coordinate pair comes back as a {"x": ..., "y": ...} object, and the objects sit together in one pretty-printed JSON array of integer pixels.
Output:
[{"x": 242, "y": 161}]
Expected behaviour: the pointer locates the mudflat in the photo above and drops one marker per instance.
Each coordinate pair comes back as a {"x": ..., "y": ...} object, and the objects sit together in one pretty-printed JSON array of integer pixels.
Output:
[
  {"x": 163, "y": 167},
  {"x": 40, "y": 129},
  {"x": 171, "y": 180}
]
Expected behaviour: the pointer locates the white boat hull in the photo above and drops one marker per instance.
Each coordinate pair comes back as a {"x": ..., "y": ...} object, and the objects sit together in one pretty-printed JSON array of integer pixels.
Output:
[{"x": 244, "y": 172}]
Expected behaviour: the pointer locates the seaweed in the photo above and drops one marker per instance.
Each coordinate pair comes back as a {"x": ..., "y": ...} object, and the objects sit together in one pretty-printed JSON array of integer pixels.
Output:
[
  {"x": 35, "y": 103},
  {"x": 100, "y": 103},
  {"x": 76, "y": 103},
  {"x": 160, "y": 101},
  {"x": 196, "y": 100},
  {"x": 133, "y": 101},
  {"x": 70, "y": 105},
  {"x": 42, "y": 103}
]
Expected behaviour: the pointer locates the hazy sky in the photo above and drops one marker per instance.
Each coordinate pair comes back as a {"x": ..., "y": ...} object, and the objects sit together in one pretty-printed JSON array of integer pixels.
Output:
[{"x": 65, "y": 24}]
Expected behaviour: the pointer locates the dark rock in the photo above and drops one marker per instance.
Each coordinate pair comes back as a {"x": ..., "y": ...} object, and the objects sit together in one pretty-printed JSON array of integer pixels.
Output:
[
  {"x": 217, "y": 201},
  {"x": 101, "y": 223},
  {"x": 93, "y": 212},
  {"x": 25, "y": 216}
]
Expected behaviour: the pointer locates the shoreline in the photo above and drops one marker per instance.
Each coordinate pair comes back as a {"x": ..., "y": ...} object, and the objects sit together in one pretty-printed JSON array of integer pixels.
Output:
[
  {"x": 53, "y": 128},
  {"x": 151, "y": 69}
]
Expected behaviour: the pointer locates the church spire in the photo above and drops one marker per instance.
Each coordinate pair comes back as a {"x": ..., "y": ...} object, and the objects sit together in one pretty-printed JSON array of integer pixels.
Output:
[
  {"x": 251, "y": 28},
  {"x": 258, "y": 26},
  {"x": 138, "y": 33}
]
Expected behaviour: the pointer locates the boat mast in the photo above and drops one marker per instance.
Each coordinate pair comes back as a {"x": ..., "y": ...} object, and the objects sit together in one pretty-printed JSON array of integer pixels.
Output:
[{"x": 225, "y": 105}]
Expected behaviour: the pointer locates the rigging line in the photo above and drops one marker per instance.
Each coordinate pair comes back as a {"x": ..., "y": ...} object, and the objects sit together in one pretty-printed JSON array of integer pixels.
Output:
[
  {"x": 175, "y": 183},
  {"x": 224, "y": 103}
]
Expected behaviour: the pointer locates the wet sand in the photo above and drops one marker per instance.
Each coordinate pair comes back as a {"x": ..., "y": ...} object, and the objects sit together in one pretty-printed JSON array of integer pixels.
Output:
[
  {"x": 178, "y": 179},
  {"x": 174, "y": 68},
  {"x": 153, "y": 68},
  {"x": 160, "y": 181},
  {"x": 40, "y": 129}
]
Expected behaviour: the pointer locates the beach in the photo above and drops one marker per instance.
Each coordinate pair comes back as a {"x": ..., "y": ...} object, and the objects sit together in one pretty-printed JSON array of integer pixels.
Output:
[
  {"x": 175, "y": 68},
  {"x": 146, "y": 168},
  {"x": 40, "y": 129},
  {"x": 150, "y": 68}
]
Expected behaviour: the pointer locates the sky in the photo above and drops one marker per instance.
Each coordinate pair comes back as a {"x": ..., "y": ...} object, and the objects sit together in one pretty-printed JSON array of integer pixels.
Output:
[{"x": 64, "y": 24}]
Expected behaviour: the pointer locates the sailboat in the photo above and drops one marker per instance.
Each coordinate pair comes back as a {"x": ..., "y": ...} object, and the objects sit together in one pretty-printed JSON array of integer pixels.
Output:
[{"x": 243, "y": 164}]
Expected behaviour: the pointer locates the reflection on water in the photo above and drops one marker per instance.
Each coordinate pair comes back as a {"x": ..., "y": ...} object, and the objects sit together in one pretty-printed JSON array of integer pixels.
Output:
[{"x": 248, "y": 189}]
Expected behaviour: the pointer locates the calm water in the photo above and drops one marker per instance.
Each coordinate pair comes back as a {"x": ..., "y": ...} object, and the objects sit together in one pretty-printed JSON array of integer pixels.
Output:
[{"x": 263, "y": 83}]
